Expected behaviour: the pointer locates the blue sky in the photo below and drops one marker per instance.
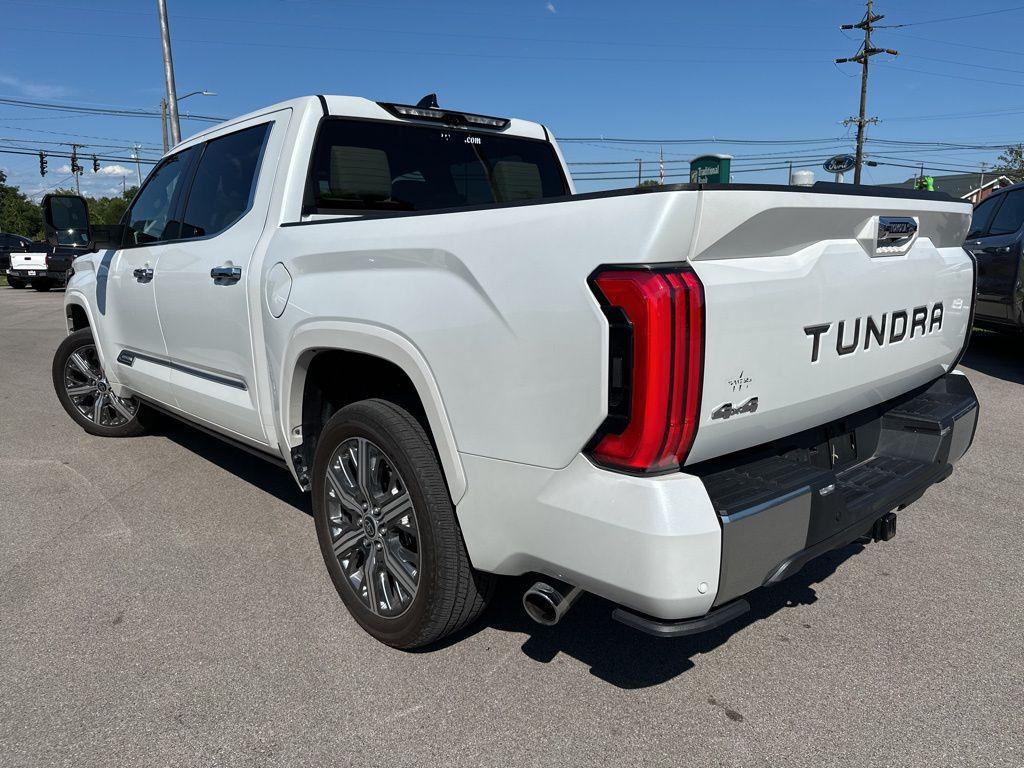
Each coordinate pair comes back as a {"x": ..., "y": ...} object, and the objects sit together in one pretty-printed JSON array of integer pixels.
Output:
[{"x": 746, "y": 69}]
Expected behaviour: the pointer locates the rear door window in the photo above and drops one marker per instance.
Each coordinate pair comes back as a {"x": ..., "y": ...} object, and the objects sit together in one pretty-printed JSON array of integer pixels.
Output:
[
  {"x": 1010, "y": 216},
  {"x": 364, "y": 165}
]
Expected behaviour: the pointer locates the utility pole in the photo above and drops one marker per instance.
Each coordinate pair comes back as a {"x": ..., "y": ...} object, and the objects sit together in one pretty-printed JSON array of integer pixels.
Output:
[
  {"x": 639, "y": 170},
  {"x": 163, "y": 122},
  {"x": 867, "y": 24},
  {"x": 172, "y": 96},
  {"x": 135, "y": 157}
]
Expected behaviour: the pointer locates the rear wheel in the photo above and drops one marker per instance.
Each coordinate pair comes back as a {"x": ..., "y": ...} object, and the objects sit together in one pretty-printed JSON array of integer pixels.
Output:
[
  {"x": 387, "y": 528},
  {"x": 83, "y": 390},
  {"x": 42, "y": 285},
  {"x": 15, "y": 282}
]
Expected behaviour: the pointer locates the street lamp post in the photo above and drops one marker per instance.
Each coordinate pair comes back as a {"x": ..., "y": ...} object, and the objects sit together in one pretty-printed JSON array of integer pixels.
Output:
[{"x": 163, "y": 113}]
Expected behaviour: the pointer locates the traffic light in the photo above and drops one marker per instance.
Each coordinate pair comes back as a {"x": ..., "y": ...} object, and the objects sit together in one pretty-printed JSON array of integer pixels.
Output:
[
  {"x": 42, "y": 163},
  {"x": 95, "y": 164},
  {"x": 75, "y": 167}
]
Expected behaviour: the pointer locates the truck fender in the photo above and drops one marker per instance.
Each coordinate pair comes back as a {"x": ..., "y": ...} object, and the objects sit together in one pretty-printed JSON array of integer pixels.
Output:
[{"x": 325, "y": 335}]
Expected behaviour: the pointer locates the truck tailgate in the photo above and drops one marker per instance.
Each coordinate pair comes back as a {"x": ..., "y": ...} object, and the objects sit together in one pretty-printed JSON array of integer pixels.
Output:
[
  {"x": 820, "y": 305},
  {"x": 28, "y": 260}
]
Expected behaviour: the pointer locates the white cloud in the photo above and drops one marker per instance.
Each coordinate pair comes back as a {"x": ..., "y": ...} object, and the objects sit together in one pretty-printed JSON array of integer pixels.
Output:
[
  {"x": 551, "y": 8},
  {"x": 33, "y": 90},
  {"x": 115, "y": 170}
]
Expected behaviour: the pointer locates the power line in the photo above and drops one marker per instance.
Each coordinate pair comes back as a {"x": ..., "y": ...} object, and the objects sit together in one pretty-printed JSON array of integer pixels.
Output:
[
  {"x": 7, "y": 150},
  {"x": 419, "y": 33},
  {"x": 414, "y": 51},
  {"x": 953, "y": 18},
  {"x": 106, "y": 111}
]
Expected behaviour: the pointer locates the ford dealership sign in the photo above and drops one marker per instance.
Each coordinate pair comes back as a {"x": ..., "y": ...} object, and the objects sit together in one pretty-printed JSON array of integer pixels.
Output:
[{"x": 840, "y": 163}]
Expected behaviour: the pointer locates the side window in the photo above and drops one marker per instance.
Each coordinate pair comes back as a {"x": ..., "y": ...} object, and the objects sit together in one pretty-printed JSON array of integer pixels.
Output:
[
  {"x": 982, "y": 216},
  {"x": 1010, "y": 216},
  {"x": 224, "y": 182},
  {"x": 149, "y": 220}
]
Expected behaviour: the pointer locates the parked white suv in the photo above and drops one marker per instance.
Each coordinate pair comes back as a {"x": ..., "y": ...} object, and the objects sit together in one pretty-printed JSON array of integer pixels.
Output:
[{"x": 667, "y": 397}]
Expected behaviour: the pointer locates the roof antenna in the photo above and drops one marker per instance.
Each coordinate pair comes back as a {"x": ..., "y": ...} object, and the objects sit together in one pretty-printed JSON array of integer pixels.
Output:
[{"x": 428, "y": 102}]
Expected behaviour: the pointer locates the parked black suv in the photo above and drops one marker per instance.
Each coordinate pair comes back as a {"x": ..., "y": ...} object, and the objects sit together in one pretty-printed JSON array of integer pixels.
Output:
[
  {"x": 8, "y": 243},
  {"x": 995, "y": 240}
]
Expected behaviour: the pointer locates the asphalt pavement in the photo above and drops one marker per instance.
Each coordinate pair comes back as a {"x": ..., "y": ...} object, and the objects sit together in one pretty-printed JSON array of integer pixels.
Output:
[{"x": 163, "y": 602}]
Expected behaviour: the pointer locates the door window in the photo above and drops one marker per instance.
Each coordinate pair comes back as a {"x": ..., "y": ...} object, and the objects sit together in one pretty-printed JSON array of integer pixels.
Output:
[
  {"x": 982, "y": 217},
  {"x": 224, "y": 182},
  {"x": 151, "y": 217},
  {"x": 1010, "y": 216}
]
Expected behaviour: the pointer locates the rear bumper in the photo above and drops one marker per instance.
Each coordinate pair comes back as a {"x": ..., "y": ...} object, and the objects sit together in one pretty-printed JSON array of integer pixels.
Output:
[
  {"x": 676, "y": 553},
  {"x": 39, "y": 274},
  {"x": 780, "y": 512}
]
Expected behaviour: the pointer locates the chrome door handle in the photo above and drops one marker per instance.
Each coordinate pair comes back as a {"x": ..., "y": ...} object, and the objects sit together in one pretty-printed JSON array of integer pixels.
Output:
[
  {"x": 143, "y": 275},
  {"x": 226, "y": 274}
]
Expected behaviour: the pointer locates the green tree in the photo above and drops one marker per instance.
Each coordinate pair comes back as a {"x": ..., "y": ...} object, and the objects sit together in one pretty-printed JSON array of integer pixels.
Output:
[
  {"x": 109, "y": 210},
  {"x": 18, "y": 214},
  {"x": 1011, "y": 162}
]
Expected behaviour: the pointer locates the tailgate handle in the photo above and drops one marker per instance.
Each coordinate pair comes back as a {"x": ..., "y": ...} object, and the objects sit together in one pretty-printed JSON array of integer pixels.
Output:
[{"x": 895, "y": 234}]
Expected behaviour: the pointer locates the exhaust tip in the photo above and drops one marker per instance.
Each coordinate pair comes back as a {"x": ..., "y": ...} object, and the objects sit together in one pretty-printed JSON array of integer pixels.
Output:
[
  {"x": 539, "y": 602},
  {"x": 546, "y": 604}
]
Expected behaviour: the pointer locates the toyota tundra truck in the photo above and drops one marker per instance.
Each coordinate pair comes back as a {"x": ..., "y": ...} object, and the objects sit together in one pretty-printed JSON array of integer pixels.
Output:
[{"x": 668, "y": 397}]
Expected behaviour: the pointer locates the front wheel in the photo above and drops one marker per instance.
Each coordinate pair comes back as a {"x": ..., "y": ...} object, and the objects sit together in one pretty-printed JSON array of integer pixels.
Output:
[
  {"x": 387, "y": 528},
  {"x": 83, "y": 390}
]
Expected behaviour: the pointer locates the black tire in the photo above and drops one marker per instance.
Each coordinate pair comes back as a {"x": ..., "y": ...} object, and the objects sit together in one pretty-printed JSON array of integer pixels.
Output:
[
  {"x": 117, "y": 425},
  {"x": 42, "y": 285},
  {"x": 450, "y": 594},
  {"x": 15, "y": 282}
]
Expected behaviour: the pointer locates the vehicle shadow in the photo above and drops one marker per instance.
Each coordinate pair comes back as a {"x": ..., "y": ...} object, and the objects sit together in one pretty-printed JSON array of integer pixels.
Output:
[
  {"x": 1000, "y": 355},
  {"x": 615, "y": 653},
  {"x": 630, "y": 659},
  {"x": 267, "y": 477}
]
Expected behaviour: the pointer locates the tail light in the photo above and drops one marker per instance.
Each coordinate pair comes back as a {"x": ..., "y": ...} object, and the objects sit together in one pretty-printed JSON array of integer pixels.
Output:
[{"x": 656, "y": 351}]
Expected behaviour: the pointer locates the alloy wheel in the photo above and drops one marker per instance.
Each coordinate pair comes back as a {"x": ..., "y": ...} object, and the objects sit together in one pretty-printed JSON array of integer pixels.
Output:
[
  {"x": 373, "y": 527},
  {"x": 90, "y": 393}
]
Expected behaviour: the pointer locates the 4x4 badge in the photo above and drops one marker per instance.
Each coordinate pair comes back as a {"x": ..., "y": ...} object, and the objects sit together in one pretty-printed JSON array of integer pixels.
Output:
[{"x": 728, "y": 410}]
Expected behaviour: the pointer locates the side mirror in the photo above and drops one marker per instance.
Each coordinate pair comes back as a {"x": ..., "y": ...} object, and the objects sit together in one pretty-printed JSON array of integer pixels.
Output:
[{"x": 66, "y": 220}]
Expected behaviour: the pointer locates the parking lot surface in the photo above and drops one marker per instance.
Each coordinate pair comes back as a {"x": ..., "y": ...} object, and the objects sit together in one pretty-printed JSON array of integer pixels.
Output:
[{"x": 163, "y": 602}]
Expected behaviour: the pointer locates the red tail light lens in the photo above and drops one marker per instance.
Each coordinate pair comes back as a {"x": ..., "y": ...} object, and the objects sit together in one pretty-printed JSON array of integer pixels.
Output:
[{"x": 656, "y": 376}]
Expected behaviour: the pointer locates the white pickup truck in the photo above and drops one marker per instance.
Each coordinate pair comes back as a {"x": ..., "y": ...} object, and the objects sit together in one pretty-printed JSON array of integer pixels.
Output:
[{"x": 667, "y": 397}]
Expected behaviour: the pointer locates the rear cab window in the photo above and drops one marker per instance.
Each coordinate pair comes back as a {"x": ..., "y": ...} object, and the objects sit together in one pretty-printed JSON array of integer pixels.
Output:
[{"x": 363, "y": 165}]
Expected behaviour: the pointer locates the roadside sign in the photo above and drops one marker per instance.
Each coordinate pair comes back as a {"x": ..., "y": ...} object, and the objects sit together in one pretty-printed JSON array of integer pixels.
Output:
[
  {"x": 840, "y": 163},
  {"x": 710, "y": 169}
]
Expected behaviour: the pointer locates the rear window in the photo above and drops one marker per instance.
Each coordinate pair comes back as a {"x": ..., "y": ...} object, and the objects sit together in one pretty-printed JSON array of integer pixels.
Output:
[{"x": 363, "y": 165}]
